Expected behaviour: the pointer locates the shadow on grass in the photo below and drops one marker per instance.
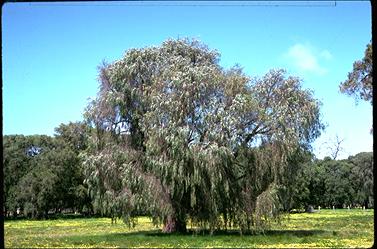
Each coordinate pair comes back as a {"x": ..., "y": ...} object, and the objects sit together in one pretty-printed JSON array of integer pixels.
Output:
[
  {"x": 297, "y": 233},
  {"x": 233, "y": 233},
  {"x": 157, "y": 238}
]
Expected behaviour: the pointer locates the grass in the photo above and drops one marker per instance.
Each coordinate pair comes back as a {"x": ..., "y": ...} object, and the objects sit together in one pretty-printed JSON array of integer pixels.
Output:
[{"x": 327, "y": 228}]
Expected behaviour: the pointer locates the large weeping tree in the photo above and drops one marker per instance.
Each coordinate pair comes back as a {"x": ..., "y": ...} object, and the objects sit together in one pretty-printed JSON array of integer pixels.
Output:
[{"x": 179, "y": 138}]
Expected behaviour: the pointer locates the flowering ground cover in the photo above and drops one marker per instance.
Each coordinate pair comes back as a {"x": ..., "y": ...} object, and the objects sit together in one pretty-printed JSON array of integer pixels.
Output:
[{"x": 327, "y": 228}]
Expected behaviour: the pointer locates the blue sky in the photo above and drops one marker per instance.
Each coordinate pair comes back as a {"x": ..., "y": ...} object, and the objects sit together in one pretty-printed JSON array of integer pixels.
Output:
[{"x": 51, "y": 52}]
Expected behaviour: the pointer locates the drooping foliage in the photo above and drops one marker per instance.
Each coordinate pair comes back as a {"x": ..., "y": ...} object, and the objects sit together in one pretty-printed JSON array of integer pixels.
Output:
[{"x": 178, "y": 137}]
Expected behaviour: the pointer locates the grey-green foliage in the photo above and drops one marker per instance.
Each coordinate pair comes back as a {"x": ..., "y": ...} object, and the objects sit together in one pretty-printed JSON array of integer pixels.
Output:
[
  {"x": 359, "y": 83},
  {"x": 179, "y": 137}
]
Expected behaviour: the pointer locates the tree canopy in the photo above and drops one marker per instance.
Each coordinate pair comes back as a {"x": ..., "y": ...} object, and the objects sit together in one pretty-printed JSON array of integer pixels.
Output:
[
  {"x": 338, "y": 183},
  {"x": 359, "y": 83},
  {"x": 176, "y": 135},
  {"x": 43, "y": 173}
]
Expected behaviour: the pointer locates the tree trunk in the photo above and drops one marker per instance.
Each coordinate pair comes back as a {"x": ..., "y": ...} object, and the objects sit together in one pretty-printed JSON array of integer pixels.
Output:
[
  {"x": 173, "y": 224},
  {"x": 366, "y": 202},
  {"x": 225, "y": 220}
]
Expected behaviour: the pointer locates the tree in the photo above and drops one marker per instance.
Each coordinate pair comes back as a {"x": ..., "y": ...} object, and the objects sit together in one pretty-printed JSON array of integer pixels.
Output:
[
  {"x": 43, "y": 173},
  {"x": 22, "y": 168},
  {"x": 179, "y": 137},
  {"x": 72, "y": 138},
  {"x": 339, "y": 183},
  {"x": 334, "y": 146},
  {"x": 20, "y": 156},
  {"x": 293, "y": 189},
  {"x": 362, "y": 178},
  {"x": 359, "y": 83},
  {"x": 339, "y": 190},
  {"x": 37, "y": 191},
  {"x": 15, "y": 164}
]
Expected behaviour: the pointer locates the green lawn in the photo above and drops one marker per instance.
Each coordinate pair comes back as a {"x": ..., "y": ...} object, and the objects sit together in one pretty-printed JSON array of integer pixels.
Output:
[{"x": 327, "y": 228}]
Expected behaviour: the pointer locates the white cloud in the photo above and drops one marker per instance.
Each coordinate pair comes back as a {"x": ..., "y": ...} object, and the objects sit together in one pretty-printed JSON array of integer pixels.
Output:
[
  {"x": 305, "y": 59},
  {"x": 326, "y": 54}
]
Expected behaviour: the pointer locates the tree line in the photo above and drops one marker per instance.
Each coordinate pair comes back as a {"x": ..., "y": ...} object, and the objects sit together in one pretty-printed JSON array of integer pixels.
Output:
[
  {"x": 173, "y": 135},
  {"x": 330, "y": 183},
  {"x": 44, "y": 174},
  {"x": 53, "y": 179}
]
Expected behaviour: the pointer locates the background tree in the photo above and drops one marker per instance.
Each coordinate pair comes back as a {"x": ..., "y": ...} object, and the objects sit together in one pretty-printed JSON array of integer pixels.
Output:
[
  {"x": 25, "y": 195},
  {"x": 339, "y": 183},
  {"x": 293, "y": 189},
  {"x": 334, "y": 146},
  {"x": 72, "y": 138},
  {"x": 43, "y": 173},
  {"x": 178, "y": 136},
  {"x": 339, "y": 190},
  {"x": 37, "y": 192},
  {"x": 359, "y": 83},
  {"x": 362, "y": 178},
  {"x": 16, "y": 163}
]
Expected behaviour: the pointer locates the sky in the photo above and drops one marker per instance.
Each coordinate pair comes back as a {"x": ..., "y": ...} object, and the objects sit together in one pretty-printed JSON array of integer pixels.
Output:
[{"x": 51, "y": 50}]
